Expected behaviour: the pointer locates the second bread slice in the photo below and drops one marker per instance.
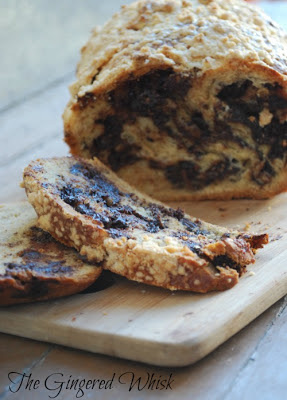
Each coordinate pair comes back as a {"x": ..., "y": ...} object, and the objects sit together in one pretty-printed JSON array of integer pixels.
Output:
[{"x": 33, "y": 266}]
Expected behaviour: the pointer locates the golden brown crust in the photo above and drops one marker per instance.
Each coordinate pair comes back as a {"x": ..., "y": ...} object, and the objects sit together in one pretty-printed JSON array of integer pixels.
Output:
[
  {"x": 156, "y": 34},
  {"x": 34, "y": 267},
  {"x": 206, "y": 45},
  {"x": 83, "y": 204}
]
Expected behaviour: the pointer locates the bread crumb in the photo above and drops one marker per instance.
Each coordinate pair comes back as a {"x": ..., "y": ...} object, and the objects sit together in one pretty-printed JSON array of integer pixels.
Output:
[
  {"x": 104, "y": 313},
  {"x": 247, "y": 227},
  {"x": 251, "y": 273},
  {"x": 171, "y": 249},
  {"x": 143, "y": 291},
  {"x": 181, "y": 270},
  {"x": 269, "y": 208},
  {"x": 265, "y": 117}
]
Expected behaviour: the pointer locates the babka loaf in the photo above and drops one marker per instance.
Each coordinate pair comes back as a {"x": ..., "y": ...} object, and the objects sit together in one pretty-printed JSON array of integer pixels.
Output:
[
  {"x": 33, "y": 266},
  {"x": 85, "y": 205},
  {"x": 185, "y": 99}
]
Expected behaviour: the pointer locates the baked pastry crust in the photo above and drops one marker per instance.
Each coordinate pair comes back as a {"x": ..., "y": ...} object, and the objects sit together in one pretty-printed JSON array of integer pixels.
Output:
[
  {"x": 33, "y": 266},
  {"x": 85, "y": 205},
  {"x": 185, "y": 99}
]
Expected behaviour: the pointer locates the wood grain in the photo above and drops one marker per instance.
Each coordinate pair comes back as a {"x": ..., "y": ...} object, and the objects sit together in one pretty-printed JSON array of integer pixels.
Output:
[{"x": 211, "y": 378}]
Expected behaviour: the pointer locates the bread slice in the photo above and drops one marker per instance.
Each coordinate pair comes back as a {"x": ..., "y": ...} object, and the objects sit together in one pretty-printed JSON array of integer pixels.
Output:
[
  {"x": 185, "y": 99},
  {"x": 85, "y": 205},
  {"x": 33, "y": 266}
]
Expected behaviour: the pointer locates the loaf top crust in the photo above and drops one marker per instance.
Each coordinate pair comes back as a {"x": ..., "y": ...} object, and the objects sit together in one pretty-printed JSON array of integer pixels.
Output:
[
  {"x": 33, "y": 266},
  {"x": 83, "y": 204},
  {"x": 198, "y": 36}
]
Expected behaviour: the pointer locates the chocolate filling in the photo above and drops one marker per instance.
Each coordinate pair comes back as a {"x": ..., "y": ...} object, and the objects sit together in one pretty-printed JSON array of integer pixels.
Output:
[
  {"x": 98, "y": 198},
  {"x": 47, "y": 268},
  {"x": 154, "y": 96},
  {"x": 118, "y": 218},
  {"x": 35, "y": 273},
  {"x": 161, "y": 97},
  {"x": 187, "y": 174}
]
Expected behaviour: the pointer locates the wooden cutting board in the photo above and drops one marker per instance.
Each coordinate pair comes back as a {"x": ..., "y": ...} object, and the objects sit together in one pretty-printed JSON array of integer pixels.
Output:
[{"x": 156, "y": 326}]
